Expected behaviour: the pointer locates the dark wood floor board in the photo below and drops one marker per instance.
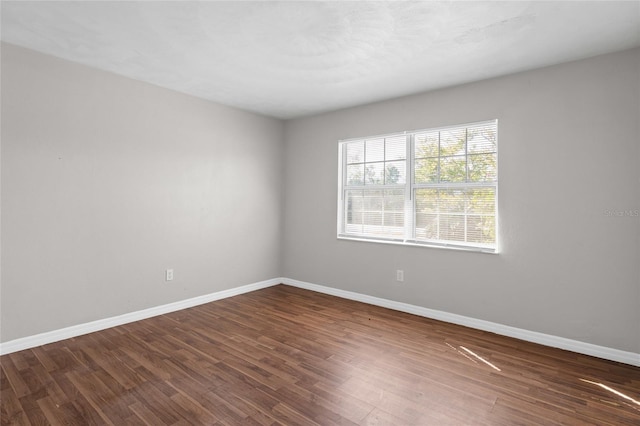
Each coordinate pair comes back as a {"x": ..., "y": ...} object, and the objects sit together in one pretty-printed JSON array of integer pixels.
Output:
[
  {"x": 192, "y": 347},
  {"x": 248, "y": 402},
  {"x": 510, "y": 414},
  {"x": 386, "y": 400},
  {"x": 192, "y": 410},
  {"x": 283, "y": 374},
  {"x": 225, "y": 347},
  {"x": 115, "y": 368},
  {"x": 288, "y": 356},
  {"x": 36, "y": 387},
  {"x": 23, "y": 361},
  {"x": 464, "y": 385},
  {"x": 422, "y": 390},
  {"x": 153, "y": 402},
  {"x": 300, "y": 370},
  {"x": 306, "y": 406},
  {"x": 201, "y": 370},
  {"x": 85, "y": 364},
  {"x": 191, "y": 387},
  {"x": 75, "y": 397},
  {"x": 191, "y": 373},
  {"x": 123, "y": 397},
  {"x": 283, "y": 348},
  {"x": 59, "y": 353},
  {"x": 47, "y": 363},
  {"x": 60, "y": 413},
  {"x": 49, "y": 387},
  {"x": 33, "y": 412},
  {"x": 101, "y": 399},
  {"x": 228, "y": 411},
  {"x": 253, "y": 373},
  {"x": 290, "y": 416},
  {"x": 11, "y": 411},
  {"x": 146, "y": 415},
  {"x": 346, "y": 411},
  {"x": 378, "y": 417},
  {"x": 302, "y": 342},
  {"x": 13, "y": 377},
  {"x": 409, "y": 404},
  {"x": 150, "y": 360},
  {"x": 513, "y": 410}
]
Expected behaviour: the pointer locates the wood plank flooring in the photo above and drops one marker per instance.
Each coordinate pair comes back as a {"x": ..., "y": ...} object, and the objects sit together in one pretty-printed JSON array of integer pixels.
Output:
[{"x": 287, "y": 356}]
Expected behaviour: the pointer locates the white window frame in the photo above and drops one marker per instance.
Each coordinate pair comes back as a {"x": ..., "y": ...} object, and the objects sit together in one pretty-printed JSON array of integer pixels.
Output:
[{"x": 409, "y": 188}]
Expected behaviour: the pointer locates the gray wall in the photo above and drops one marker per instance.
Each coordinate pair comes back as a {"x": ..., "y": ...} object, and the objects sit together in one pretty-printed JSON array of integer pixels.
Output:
[
  {"x": 569, "y": 151},
  {"x": 106, "y": 182}
]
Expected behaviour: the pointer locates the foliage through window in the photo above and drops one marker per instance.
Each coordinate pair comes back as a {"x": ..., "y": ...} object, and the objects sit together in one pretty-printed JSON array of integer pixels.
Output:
[{"x": 433, "y": 187}]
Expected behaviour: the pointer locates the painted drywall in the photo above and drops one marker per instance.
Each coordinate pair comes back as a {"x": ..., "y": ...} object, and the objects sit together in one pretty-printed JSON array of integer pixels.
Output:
[
  {"x": 107, "y": 182},
  {"x": 569, "y": 163}
]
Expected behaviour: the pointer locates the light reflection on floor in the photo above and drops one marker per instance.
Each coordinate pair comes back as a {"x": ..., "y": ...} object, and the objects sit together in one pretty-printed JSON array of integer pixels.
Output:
[
  {"x": 476, "y": 356},
  {"x": 618, "y": 393},
  {"x": 480, "y": 358}
]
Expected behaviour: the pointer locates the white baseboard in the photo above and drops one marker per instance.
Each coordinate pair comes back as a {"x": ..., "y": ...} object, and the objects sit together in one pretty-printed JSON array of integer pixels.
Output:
[
  {"x": 518, "y": 333},
  {"x": 630, "y": 358},
  {"x": 90, "y": 327}
]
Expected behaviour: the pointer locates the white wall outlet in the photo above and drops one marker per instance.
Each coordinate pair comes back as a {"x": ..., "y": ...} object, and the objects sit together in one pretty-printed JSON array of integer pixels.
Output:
[
  {"x": 168, "y": 276},
  {"x": 399, "y": 275}
]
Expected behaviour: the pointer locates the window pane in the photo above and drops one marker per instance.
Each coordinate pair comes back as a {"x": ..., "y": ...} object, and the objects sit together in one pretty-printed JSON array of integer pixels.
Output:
[
  {"x": 395, "y": 172},
  {"x": 481, "y": 201},
  {"x": 426, "y": 145},
  {"x": 426, "y": 205},
  {"x": 355, "y": 174},
  {"x": 481, "y": 229},
  {"x": 441, "y": 214},
  {"x": 394, "y": 199},
  {"x": 354, "y": 206},
  {"x": 375, "y": 213},
  {"x": 452, "y": 142},
  {"x": 395, "y": 220},
  {"x": 374, "y": 174},
  {"x": 396, "y": 148},
  {"x": 426, "y": 226},
  {"x": 393, "y": 213},
  {"x": 482, "y": 168},
  {"x": 355, "y": 152},
  {"x": 482, "y": 138},
  {"x": 426, "y": 200},
  {"x": 451, "y": 201},
  {"x": 426, "y": 171},
  {"x": 372, "y": 221},
  {"x": 354, "y": 203},
  {"x": 451, "y": 227},
  {"x": 372, "y": 200},
  {"x": 374, "y": 150},
  {"x": 453, "y": 169}
]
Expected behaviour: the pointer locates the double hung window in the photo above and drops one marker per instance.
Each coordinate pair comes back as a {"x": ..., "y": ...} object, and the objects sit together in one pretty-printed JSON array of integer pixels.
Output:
[{"x": 433, "y": 187}]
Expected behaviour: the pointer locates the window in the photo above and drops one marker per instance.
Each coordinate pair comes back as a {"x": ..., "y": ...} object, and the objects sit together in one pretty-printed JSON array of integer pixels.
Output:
[{"x": 435, "y": 187}]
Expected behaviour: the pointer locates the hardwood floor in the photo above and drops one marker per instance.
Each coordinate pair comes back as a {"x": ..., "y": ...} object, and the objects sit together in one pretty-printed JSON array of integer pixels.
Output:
[{"x": 288, "y": 356}]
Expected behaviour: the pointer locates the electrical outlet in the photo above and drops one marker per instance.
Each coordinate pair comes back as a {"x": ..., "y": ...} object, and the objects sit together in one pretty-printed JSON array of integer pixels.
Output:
[
  {"x": 168, "y": 276},
  {"x": 399, "y": 275}
]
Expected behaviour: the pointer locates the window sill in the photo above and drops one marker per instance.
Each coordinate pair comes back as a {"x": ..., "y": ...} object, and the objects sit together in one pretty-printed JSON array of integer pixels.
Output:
[{"x": 486, "y": 250}]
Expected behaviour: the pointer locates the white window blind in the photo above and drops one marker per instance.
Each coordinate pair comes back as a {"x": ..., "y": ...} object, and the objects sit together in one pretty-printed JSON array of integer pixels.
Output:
[{"x": 431, "y": 187}]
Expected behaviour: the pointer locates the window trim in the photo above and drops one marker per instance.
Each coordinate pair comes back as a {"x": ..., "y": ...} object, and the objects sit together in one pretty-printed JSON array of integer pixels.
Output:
[{"x": 409, "y": 188}]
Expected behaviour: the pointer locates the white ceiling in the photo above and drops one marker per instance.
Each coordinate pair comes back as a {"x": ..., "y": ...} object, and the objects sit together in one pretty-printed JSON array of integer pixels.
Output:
[{"x": 290, "y": 59}]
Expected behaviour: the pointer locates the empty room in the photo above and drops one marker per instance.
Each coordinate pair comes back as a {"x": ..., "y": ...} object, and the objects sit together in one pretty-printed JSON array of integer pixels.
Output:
[{"x": 320, "y": 213}]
